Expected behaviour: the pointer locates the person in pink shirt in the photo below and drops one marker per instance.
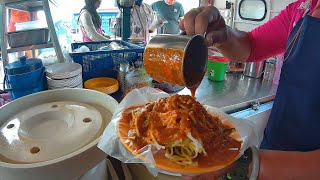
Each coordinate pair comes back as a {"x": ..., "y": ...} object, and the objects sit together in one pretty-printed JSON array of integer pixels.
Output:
[{"x": 291, "y": 145}]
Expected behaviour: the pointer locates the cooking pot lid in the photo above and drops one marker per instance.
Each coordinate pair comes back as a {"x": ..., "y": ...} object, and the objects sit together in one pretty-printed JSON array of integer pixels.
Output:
[
  {"x": 24, "y": 65},
  {"x": 49, "y": 131}
]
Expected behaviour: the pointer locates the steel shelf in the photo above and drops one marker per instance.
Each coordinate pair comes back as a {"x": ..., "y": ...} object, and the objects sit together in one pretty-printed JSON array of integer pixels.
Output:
[
  {"x": 32, "y": 47},
  {"x": 28, "y": 6}
]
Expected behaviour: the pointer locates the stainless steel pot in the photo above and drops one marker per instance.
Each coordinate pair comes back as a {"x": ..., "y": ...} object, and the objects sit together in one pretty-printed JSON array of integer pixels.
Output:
[
  {"x": 186, "y": 71},
  {"x": 253, "y": 69}
]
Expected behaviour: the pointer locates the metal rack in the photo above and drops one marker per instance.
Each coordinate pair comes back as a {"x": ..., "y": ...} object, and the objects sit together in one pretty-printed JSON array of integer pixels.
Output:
[{"x": 28, "y": 6}]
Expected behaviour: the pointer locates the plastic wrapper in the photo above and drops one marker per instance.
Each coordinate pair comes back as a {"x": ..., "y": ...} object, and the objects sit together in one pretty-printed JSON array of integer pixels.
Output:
[
  {"x": 81, "y": 49},
  {"x": 111, "y": 144},
  {"x": 117, "y": 46},
  {"x": 138, "y": 78}
]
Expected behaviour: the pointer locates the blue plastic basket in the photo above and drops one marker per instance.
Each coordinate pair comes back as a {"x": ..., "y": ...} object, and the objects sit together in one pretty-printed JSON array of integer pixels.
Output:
[{"x": 104, "y": 63}]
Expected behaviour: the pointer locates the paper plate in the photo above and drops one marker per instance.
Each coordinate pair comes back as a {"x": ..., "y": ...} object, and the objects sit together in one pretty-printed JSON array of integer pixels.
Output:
[
  {"x": 103, "y": 84},
  {"x": 163, "y": 163}
]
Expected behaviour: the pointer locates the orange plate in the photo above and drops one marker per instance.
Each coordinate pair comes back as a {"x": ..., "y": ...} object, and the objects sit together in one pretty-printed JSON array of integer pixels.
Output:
[
  {"x": 102, "y": 84},
  {"x": 166, "y": 164}
]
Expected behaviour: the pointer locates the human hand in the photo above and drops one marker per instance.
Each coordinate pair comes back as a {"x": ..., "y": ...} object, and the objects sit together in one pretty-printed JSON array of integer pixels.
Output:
[
  {"x": 288, "y": 165},
  {"x": 211, "y": 176},
  {"x": 316, "y": 11},
  {"x": 205, "y": 20}
]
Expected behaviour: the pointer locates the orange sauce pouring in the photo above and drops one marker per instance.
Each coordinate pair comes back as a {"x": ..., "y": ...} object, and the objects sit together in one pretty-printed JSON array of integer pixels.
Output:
[
  {"x": 164, "y": 65},
  {"x": 193, "y": 91}
]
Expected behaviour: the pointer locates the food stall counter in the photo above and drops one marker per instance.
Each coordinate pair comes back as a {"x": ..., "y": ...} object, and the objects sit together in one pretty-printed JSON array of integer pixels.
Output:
[{"x": 237, "y": 92}]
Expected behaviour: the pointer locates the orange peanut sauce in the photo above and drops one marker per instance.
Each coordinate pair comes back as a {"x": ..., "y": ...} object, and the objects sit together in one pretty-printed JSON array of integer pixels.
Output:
[
  {"x": 164, "y": 65},
  {"x": 167, "y": 119}
]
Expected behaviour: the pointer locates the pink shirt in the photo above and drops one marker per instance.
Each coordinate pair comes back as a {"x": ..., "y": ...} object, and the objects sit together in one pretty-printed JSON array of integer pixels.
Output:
[{"x": 270, "y": 39}]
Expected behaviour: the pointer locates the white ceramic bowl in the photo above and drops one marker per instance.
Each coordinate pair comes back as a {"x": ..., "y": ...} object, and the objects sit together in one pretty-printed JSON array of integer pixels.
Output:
[
  {"x": 69, "y": 166},
  {"x": 70, "y": 82},
  {"x": 77, "y": 86},
  {"x": 63, "y": 70}
]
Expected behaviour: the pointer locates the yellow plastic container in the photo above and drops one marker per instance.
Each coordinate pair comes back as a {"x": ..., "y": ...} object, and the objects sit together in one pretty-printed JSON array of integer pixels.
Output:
[{"x": 102, "y": 84}]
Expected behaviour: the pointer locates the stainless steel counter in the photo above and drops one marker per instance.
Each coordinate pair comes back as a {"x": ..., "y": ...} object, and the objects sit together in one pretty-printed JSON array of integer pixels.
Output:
[{"x": 236, "y": 93}]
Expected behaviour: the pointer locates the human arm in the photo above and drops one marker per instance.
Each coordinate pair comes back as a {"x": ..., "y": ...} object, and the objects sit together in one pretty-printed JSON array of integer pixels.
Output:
[
  {"x": 88, "y": 27},
  {"x": 240, "y": 46},
  {"x": 235, "y": 44},
  {"x": 289, "y": 165},
  {"x": 276, "y": 165}
]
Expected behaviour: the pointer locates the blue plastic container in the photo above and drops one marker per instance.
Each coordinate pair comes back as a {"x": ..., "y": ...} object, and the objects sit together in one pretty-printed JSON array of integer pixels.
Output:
[
  {"x": 104, "y": 63},
  {"x": 24, "y": 77}
]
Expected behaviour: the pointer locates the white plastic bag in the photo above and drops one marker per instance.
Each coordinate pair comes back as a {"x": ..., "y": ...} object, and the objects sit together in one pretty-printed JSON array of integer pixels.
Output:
[{"x": 81, "y": 49}]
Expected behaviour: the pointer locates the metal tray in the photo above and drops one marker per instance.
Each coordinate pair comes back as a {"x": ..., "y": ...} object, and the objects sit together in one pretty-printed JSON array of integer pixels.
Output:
[{"x": 28, "y": 37}]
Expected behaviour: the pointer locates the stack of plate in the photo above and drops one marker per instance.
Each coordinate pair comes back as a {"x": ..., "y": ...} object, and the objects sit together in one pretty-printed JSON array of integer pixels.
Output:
[
  {"x": 135, "y": 39},
  {"x": 102, "y": 84},
  {"x": 64, "y": 75}
]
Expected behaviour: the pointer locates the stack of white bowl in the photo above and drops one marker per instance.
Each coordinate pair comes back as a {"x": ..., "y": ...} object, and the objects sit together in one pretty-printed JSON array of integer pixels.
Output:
[{"x": 64, "y": 75}]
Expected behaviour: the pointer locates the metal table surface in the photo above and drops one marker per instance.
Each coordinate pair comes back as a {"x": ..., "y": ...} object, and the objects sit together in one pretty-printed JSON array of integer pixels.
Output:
[{"x": 236, "y": 93}]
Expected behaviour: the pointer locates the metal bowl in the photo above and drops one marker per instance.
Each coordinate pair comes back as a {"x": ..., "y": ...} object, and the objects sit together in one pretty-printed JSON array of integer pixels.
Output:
[{"x": 192, "y": 65}]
